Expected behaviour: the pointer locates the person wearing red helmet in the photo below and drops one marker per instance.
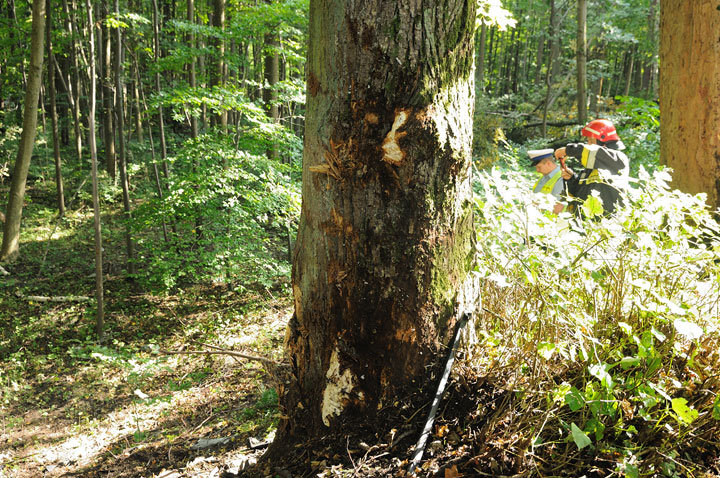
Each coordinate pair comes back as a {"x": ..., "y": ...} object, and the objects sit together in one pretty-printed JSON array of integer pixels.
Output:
[{"x": 605, "y": 166}]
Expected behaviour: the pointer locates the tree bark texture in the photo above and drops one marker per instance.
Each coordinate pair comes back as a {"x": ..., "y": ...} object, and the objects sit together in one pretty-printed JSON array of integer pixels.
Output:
[
  {"x": 11, "y": 230},
  {"x": 219, "y": 44},
  {"x": 385, "y": 243},
  {"x": 690, "y": 95}
]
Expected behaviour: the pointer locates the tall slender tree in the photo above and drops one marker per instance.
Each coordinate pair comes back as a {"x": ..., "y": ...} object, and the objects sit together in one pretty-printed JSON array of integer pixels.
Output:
[
  {"x": 582, "y": 60},
  {"x": 53, "y": 113},
  {"x": 99, "y": 289},
  {"x": 11, "y": 231},
  {"x": 108, "y": 100},
  {"x": 218, "y": 77},
  {"x": 120, "y": 111}
]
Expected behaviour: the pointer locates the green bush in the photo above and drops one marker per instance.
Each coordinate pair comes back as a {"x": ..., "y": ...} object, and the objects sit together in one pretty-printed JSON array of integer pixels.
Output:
[
  {"x": 639, "y": 128},
  {"x": 606, "y": 332},
  {"x": 227, "y": 215}
]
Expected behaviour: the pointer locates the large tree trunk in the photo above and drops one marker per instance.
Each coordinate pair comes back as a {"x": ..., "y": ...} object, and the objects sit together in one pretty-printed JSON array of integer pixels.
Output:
[
  {"x": 385, "y": 239},
  {"x": 11, "y": 230},
  {"x": 690, "y": 95}
]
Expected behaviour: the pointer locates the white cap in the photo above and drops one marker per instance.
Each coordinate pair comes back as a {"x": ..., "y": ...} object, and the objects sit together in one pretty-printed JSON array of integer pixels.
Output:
[{"x": 537, "y": 155}]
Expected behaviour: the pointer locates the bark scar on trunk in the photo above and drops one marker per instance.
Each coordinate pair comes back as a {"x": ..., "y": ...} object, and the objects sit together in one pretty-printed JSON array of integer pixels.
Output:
[
  {"x": 336, "y": 160},
  {"x": 337, "y": 391},
  {"x": 393, "y": 152}
]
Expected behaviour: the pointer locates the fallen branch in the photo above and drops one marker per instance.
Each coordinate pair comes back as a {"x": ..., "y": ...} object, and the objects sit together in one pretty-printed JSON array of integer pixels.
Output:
[
  {"x": 549, "y": 123},
  {"x": 59, "y": 298},
  {"x": 231, "y": 353},
  {"x": 3, "y": 271}
]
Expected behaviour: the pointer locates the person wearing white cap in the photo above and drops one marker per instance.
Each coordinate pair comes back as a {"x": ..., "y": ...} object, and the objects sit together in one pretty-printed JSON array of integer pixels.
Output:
[
  {"x": 551, "y": 181},
  {"x": 603, "y": 152}
]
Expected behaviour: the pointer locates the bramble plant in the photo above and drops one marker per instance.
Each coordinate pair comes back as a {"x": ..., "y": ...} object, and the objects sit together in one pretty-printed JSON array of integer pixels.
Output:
[{"x": 607, "y": 331}]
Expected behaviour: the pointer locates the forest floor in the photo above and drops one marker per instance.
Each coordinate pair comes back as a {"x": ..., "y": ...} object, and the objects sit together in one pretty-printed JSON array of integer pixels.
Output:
[
  {"x": 72, "y": 407},
  {"x": 137, "y": 403},
  {"x": 141, "y": 403}
]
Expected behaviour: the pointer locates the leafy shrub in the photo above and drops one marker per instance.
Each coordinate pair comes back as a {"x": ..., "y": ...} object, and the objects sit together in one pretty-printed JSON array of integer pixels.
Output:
[
  {"x": 606, "y": 332},
  {"x": 227, "y": 214},
  {"x": 639, "y": 128}
]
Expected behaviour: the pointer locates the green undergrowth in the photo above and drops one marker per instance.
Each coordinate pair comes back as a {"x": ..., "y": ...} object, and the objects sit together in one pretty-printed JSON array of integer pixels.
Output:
[
  {"x": 58, "y": 383},
  {"x": 605, "y": 332}
]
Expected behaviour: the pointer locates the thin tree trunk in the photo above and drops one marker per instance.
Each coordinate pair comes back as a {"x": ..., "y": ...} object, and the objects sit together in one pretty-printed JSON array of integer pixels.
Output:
[
  {"x": 13, "y": 215},
  {"x": 219, "y": 73},
  {"x": 99, "y": 289},
  {"x": 192, "y": 76},
  {"x": 161, "y": 120},
  {"x": 629, "y": 73},
  {"x": 108, "y": 101},
  {"x": 549, "y": 76},
  {"x": 272, "y": 76},
  {"x": 73, "y": 83},
  {"x": 581, "y": 60},
  {"x": 539, "y": 60},
  {"x": 120, "y": 110},
  {"x": 136, "y": 96},
  {"x": 554, "y": 42},
  {"x": 480, "y": 65},
  {"x": 516, "y": 63},
  {"x": 53, "y": 113},
  {"x": 156, "y": 171}
]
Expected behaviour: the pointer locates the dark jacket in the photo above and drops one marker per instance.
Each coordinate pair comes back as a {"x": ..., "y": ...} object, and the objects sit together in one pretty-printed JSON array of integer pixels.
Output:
[{"x": 603, "y": 165}]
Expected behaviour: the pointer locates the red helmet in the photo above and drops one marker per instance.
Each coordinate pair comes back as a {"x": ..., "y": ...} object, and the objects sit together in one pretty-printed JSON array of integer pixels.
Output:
[{"x": 600, "y": 129}]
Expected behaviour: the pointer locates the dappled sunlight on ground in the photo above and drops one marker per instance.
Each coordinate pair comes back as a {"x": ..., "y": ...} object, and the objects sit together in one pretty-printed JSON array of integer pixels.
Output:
[{"x": 127, "y": 409}]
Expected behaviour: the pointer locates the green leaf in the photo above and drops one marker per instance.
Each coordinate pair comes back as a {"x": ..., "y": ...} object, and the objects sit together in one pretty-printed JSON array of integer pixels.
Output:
[
  {"x": 593, "y": 207},
  {"x": 716, "y": 408},
  {"x": 685, "y": 414},
  {"x": 631, "y": 471},
  {"x": 601, "y": 372},
  {"x": 574, "y": 399},
  {"x": 579, "y": 437},
  {"x": 658, "y": 335},
  {"x": 628, "y": 362}
]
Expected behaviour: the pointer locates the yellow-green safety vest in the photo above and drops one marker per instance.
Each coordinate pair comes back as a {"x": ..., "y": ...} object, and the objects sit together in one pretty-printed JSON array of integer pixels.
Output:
[{"x": 548, "y": 186}]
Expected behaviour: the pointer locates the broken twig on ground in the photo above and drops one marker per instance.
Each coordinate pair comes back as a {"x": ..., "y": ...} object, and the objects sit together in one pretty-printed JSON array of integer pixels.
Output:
[{"x": 231, "y": 353}]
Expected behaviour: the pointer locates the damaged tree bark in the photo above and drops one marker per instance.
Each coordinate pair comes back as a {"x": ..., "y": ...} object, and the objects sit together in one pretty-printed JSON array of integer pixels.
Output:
[{"x": 385, "y": 243}]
